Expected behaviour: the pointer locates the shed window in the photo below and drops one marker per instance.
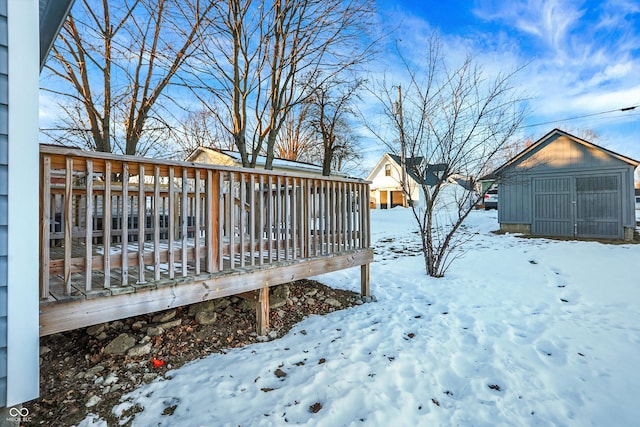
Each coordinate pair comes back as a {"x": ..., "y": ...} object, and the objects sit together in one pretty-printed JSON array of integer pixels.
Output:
[
  {"x": 597, "y": 183},
  {"x": 387, "y": 170}
]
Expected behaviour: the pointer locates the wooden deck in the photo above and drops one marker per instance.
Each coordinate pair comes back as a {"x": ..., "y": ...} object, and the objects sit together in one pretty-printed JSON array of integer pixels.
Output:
[{"x": 123, "y": 236}]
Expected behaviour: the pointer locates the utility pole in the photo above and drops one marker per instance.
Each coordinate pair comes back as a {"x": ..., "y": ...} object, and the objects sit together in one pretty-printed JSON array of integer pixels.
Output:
[{"x": 403, "y": 161}]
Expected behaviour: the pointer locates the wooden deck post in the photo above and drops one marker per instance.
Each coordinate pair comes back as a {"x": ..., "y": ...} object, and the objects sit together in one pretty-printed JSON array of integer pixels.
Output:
[
  {"x": 262, "y": 311},
  {"x": 365, "y": 277}
]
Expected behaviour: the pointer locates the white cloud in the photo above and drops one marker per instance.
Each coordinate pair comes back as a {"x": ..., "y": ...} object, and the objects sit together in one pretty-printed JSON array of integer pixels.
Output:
[
  {"x": 611, "y": 73},
  {"x": 582, "y": 56},
  {"x": 548, "y": 20}
]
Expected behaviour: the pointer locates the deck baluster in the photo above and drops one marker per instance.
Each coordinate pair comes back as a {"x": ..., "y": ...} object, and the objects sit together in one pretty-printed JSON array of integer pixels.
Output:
[
  {"x": 184, "y": 218},
  {"x": 270, "y": 219},
  {"x": 241, "y": 216},
  {"x": 45, "y": 226},
  {"x": 156, "y": 223},
  {"x": 171, "y": 226},
  {"x": 107, "y": 226},
  {"x": 196, "y": 220},
  {"x": 261, "y": 218},
  {"x": 142, "y": 219},
  {"x": 221, "y": 221},
  {"x": 278, "y": 216},
  {"x": 125, "y": 224},
  {"x": 88, "y": 226},
  {"x": 294, "y": 218},
  {"x": 68, "y": 224},
  {"x": 252, "y": 219}
]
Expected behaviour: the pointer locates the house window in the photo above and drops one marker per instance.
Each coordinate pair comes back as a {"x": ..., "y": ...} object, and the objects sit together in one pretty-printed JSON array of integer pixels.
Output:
[{"x": 387, "y": 170}]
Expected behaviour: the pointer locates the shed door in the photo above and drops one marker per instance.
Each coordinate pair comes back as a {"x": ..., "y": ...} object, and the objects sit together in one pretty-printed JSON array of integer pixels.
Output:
[
  {"x": 552, "y": 207},
  {"x": 598, "y": 206},
  {"x": 587, "y": 206}
]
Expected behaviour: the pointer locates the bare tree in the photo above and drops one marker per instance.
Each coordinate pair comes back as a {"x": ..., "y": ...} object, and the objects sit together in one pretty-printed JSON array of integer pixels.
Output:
[
  {"x": 329, "y": 117},
  {"x": 201, "y": 129},
  {"x": 115, "y": 60},
  {"x": 264, "y": 55},
  {"x": 296, "y": 140},
  {"x": 452, "y": 121}
]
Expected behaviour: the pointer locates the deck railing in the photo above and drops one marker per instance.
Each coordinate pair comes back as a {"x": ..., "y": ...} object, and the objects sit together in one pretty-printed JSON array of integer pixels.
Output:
[{"x": 111, "y": 224}]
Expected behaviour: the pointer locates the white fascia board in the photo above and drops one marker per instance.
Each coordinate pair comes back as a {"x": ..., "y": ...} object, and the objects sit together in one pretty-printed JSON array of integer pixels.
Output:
[{"x": 23, "y": 212}]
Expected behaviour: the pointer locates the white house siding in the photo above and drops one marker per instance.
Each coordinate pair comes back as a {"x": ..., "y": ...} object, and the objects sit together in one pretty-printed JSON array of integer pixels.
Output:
[
  {"x": 19, "y": 128},
  {"x": 4, "y": 193},
  {"x": 383, "y": 186}
]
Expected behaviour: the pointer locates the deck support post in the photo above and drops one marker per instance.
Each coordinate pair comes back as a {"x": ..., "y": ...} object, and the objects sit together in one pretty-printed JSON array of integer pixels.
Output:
[
  {"x": 262, "y": 311},
  {"x": 365, "y": 276}
]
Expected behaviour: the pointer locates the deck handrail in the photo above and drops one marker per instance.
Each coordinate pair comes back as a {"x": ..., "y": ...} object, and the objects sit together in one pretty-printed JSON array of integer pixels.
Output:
[{"x": 182, "y": 219}]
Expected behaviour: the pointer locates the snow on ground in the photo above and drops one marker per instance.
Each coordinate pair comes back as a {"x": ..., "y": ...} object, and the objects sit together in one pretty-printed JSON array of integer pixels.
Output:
[{"x": 520, "y": 332}]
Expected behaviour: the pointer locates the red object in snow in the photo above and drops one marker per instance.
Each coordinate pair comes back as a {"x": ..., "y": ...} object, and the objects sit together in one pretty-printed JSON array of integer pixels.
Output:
[{"x": 157, "y": 362}]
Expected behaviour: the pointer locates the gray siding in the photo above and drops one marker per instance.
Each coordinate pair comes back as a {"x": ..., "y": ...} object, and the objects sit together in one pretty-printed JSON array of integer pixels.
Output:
[
  {"x": 517, "y": 190},
  {"x": 4, "y": 167}
]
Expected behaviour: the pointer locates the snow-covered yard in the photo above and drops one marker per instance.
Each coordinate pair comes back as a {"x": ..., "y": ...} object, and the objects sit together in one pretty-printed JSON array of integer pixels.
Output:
[{"x": 520, "y": 332}]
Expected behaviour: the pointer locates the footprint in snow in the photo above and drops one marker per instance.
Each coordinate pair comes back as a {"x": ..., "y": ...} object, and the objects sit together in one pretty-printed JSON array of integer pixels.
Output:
[{"x": 551, "y": 354}]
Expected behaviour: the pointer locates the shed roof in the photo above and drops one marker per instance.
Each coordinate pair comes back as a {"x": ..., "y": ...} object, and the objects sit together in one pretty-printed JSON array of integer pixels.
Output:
[{"x": 540, "y": 143}]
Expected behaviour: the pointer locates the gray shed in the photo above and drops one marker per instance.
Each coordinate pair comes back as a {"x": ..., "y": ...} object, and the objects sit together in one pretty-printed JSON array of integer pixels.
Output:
[{"x": 565, "y": 186}]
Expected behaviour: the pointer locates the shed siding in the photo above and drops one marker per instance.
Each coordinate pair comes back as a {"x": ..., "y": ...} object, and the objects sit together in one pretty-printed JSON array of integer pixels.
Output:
[
  {"x": 517, "y": 190},
  {"x": 4, "y": 189}
]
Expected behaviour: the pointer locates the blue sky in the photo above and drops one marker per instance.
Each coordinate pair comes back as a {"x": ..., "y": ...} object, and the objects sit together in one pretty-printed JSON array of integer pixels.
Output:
[
  {"x": 582, "y": 59},
  {"x": 583, "y": 56}
]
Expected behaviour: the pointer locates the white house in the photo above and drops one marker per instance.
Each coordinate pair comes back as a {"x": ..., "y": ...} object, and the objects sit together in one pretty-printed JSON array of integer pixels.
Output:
[
  {"x": 386, "y": 181},
  {"x": 386, "y": 184}
]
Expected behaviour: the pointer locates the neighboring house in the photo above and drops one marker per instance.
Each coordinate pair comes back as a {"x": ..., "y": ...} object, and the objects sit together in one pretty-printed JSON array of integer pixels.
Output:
[
  {"x": 486, "y": 182},
  {"x": 565, "y": 186},
  {"x": 386, "y": 181},
  {"x": 216, "y": 156}
]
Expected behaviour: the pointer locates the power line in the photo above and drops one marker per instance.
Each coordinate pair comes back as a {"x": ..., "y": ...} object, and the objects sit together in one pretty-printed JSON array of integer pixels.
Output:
[{"x": 633, "y": 107}]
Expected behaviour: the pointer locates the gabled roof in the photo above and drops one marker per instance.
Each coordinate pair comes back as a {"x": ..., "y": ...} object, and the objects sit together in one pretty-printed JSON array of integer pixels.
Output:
[
  {"x": 413, "y": 164},
  {"x": 539, "y": 143}
]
